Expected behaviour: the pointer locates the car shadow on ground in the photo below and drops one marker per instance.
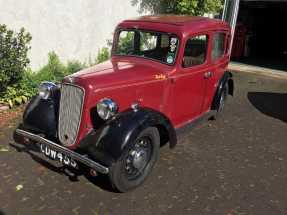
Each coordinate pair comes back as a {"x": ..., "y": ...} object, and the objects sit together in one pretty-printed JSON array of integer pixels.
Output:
[
  {"x": 270, "y": 104},
  {"x": 73, "y": 174}
]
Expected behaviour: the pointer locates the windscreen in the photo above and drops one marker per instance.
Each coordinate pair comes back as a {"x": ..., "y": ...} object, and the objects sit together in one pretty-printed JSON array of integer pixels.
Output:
[{"x": 147, "y": 44}]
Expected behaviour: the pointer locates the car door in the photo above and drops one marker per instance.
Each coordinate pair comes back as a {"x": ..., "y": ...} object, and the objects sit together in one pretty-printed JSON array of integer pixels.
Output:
[
  {"x": 219, "y": 60},
  {"x": 189, "y": 80}
]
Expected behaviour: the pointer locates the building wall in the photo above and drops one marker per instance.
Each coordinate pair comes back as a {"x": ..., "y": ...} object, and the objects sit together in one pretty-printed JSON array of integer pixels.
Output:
[{"x": 74, "y": 29}]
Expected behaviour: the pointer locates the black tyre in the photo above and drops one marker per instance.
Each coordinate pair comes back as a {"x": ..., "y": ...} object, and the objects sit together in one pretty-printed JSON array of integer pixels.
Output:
[
  {"x": 222, "y": 101},
  {"x": 136, "y": 162}
]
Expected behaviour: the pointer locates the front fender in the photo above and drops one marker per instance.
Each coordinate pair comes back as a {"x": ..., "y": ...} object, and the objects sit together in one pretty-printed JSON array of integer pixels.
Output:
[
  {"x": 107, "y": 143},
  {"x": 41, "y": 116}
]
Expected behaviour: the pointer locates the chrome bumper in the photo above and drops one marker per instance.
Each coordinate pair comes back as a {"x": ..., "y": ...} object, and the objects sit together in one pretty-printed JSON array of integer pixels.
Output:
[{"x": 74, "y": 155}]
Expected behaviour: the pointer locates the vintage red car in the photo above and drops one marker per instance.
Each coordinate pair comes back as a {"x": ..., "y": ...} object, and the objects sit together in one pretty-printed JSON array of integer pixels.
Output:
[{"x": 165, "y": 73}]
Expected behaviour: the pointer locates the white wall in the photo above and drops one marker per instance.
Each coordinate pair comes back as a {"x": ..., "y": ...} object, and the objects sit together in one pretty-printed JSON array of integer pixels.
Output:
[{"x": 74, "y": 29}]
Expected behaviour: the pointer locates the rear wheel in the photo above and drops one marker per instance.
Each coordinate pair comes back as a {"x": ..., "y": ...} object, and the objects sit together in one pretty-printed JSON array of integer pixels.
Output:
[
  {"x": 222, "y": 101},
  {"x": 136, "y": 162}
]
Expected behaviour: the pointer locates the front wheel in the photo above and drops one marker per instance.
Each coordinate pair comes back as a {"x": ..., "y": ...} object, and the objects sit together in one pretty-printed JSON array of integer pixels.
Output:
[{"x": 136, "y": 162}]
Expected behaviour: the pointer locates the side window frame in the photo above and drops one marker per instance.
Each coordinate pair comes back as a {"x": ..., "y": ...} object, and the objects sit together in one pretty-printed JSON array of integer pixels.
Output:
[
  {"x": 207, "y": 56},
  {"x": 226, "y": 43}
]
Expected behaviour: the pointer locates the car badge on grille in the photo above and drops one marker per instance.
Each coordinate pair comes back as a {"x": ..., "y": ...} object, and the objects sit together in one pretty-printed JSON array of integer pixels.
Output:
[{"x": 66, "y": 139}]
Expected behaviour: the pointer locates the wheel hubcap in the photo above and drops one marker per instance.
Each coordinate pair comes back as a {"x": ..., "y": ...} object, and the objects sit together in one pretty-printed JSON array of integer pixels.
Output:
[
  {"x": 222, "y": 100},
  {"x": 138, "y": 157}
]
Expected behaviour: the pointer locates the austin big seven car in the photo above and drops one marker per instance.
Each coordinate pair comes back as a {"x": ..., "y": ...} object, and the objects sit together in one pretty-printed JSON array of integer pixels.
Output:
[{"x": 165, "y": 73}]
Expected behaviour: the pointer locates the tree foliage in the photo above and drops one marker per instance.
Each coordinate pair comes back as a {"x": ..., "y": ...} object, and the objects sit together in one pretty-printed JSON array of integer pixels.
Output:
[
  {"x": 182, "y": 7},
  {"x": 14, "y": 48}
]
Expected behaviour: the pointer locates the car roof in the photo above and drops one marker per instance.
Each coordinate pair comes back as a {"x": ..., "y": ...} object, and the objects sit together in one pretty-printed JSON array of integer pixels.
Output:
[{"x": 177, "y": 22}]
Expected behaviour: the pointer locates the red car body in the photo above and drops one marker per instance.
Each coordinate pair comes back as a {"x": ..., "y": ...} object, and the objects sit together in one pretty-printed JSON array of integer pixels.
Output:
[
  {"x": 164, "y": 88},
  {"x": 114, "y": 116}
]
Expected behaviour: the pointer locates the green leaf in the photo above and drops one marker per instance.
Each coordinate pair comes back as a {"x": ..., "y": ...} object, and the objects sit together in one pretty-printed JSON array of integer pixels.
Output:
[
  {"x": 18, "y": 100},
  {"x": 188, "y": 7},
  {"x": 24, "y": 99},
  {"x": 10, "y": 103}
]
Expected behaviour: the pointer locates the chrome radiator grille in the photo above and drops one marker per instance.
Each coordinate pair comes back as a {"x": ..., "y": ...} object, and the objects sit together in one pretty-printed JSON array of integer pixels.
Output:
[{"x": 70, "y": 112}]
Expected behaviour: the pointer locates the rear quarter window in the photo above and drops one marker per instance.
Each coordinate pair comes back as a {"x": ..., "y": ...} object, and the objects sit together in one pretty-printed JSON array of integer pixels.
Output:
[{"x": 218, "y": 46}]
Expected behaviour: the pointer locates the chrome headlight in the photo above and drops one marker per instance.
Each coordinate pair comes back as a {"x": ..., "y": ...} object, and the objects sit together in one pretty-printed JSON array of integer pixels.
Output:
[
  {"x": 45, "y": 89},
  {"x": 107, "y": 108}
]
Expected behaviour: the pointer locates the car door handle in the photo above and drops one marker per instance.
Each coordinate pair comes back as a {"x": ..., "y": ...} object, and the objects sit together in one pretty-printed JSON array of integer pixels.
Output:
[{"x": 207, "y": 74}]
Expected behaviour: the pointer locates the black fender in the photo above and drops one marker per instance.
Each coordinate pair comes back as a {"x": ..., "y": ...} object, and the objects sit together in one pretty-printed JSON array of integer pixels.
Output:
[
  {"x": 41, "y": 116},
  {"x": 226, "y": 78},
  {"x": 107, "y": 143}
]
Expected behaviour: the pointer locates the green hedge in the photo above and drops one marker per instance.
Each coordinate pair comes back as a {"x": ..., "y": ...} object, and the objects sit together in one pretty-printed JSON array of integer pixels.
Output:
[{"x": 19, "y": 92}]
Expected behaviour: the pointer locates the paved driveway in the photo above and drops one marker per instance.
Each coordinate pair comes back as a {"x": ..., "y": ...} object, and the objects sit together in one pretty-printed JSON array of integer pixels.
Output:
[{"x": 236, "y": 165}]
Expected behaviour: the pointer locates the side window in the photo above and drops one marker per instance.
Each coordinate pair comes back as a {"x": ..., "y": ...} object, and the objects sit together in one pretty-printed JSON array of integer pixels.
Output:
[
  {"x": 148, "y": 41},
  {"x": 195, "y": 51},
  {"x": 126, "y": 42},
  {"x": 218, "y": 46},
  {"x": 164, "y": 41}
]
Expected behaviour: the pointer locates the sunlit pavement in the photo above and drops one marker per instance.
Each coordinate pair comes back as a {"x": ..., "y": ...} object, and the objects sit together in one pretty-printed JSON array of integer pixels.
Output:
[{"x": 235, "y": 165}]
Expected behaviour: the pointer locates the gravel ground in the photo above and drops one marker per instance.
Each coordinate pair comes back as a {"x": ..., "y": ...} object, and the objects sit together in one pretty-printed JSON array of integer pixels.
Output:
[{"x": 235, "y": 165}]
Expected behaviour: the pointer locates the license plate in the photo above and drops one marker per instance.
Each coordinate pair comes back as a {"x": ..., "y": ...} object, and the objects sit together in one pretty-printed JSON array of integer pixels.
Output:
[{"x": 53, "y": 154}]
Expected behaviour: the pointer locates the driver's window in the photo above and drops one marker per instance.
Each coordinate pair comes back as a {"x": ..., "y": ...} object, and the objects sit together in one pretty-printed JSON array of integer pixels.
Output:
[
  {"x": 195, "y": 51},
  {"x": 126, "y": 42}
]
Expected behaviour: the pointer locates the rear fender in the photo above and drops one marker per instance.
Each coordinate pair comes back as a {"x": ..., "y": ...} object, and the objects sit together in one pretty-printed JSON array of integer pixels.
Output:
[{"x": 226, "y": 78}]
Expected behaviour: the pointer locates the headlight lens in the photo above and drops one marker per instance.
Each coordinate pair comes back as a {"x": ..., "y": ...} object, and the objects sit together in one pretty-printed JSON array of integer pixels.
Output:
[
  {"x": 107, "y": 108},
  {"x": 45, "y": 89}
]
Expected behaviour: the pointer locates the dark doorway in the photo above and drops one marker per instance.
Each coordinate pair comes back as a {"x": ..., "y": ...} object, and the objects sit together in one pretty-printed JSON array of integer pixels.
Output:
[{"x": 261, "y": 35}]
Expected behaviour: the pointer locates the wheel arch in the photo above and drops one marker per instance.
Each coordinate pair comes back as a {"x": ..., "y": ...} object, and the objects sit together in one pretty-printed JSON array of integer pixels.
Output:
[
  {"x": 230, "y": 85},
  {"x": 107, "y": 143},
  {"x": 226, "y": 79}
]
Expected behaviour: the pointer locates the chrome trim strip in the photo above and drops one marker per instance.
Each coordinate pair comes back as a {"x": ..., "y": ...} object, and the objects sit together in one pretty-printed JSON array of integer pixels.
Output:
[{"x": 74, "y": 155}]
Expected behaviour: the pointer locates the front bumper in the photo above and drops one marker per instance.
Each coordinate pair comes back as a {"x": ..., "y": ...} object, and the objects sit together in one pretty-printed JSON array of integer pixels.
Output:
[{"x": 74, "y": 155}]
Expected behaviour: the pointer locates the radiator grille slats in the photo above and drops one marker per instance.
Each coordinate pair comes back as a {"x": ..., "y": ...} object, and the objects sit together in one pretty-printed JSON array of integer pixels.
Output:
[{"x": 71, "y": 104}]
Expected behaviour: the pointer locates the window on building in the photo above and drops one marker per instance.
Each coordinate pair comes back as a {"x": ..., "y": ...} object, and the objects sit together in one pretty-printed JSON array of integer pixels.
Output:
[{"x": 195, "y": 51}]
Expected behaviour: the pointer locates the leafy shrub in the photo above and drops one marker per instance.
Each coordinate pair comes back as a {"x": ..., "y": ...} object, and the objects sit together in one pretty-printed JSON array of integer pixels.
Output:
[
  {"x": 74, "y": 66},
  {"x": 19, "y": 93},
  {"x": 25, "y": 88},
  {"x": 14, "y": 47},
  {"x": 15, "y": 96},
  {"x": 54, "y": 70},
  {"x": 103, "y": 55}
]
